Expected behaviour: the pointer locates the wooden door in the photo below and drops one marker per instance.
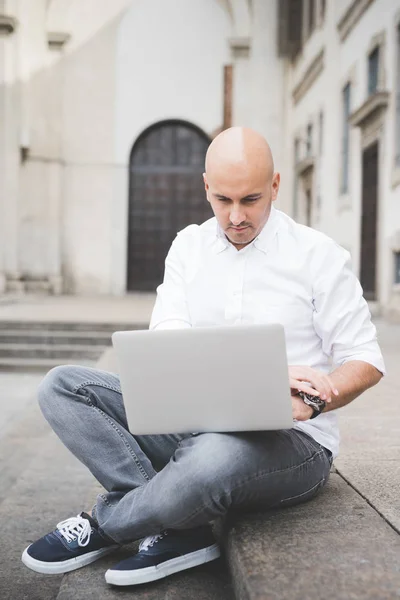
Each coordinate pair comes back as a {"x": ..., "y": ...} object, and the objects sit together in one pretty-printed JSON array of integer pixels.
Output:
[
  {"x": 166, "y": 193},
  {"x": 369, "y": 221}
]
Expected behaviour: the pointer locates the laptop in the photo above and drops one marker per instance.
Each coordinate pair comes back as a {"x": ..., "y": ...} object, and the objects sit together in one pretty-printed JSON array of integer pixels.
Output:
[{"x": 211, "y": 379}]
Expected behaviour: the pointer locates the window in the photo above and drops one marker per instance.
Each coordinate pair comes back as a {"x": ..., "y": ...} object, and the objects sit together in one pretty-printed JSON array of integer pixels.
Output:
[
  {"x": 397, "y": 130},
  {"x": 308, "y": 208},
  {"x": 397, "y": 267},
  {"x": 296, "y": 179},
  {"x": 295, "y": 26},
  {"x": 309, "y": 139},
  {"x": 373, "y": 71},
  {"x": 345, "y": 138},
  {"x": 321, "y": 132},
  {"x": 296, "y": 151},
  {"x": 290, "y": 27},
  {"x": 322, "y": 9},
  {"x": 311, "y": 16}
]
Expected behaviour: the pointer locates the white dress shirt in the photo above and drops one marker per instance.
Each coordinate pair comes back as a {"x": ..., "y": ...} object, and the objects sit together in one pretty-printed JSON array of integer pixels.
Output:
[{"x": 290, "y": 274}]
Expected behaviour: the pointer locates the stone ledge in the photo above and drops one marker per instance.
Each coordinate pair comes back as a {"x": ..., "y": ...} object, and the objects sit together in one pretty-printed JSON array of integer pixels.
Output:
[
  {"x": 306, "y": 81},
  {"x": 7, "y": 25},
  {"x": 351, "y": 17},
  {"x": 240, "y": 46},
  {"x": 335, "y": 542},
  {"x": 304, "y": 166},
  {"x": 374, "y": 104},
  {"x": 57, "y": 39}
]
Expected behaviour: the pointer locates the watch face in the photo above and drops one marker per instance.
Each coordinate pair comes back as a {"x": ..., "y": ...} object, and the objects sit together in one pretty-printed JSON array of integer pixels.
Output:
[{"x": 314, "y": 401}]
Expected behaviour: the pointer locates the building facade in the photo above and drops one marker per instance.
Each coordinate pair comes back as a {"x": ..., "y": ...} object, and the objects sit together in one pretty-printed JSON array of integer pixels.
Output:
[
  {"x": 343, "y": 132},
  {"x": 106, "y": 109}
]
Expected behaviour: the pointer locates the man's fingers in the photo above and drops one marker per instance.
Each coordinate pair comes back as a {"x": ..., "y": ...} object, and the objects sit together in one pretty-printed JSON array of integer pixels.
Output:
[
  {"x": 319, "y": 388},
  {"x": 304, "y": 387},
  {"x": 311, "y": 381},
  {"x": 323, "y": 383},
  {"x": 329, "y": 385},
  {"x": 332, "y": 388},
  {"x": 320, "y": 382}
]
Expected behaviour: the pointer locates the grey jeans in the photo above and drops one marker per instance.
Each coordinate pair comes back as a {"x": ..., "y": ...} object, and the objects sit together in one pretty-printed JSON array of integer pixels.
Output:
[{"x": 157, "y": 482}]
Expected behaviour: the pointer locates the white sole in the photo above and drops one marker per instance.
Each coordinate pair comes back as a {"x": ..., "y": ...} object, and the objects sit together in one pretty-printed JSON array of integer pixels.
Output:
[
  {"x": 169, "y": 567},
  {"x": 64, "y": 566}
]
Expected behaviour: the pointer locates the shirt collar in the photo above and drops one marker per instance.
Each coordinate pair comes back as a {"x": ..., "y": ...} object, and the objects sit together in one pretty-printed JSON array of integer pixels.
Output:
[
  {"x": 268, "y": 232},
  {"x": 261, "y": 242}
]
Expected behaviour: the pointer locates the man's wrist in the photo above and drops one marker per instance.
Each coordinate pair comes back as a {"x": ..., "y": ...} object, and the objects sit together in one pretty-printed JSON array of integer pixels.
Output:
[{"x": 315, "y": 403}]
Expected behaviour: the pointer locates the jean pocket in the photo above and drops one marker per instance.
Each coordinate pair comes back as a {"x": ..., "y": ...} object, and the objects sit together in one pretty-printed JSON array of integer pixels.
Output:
[{"x": 304, "y": 496}]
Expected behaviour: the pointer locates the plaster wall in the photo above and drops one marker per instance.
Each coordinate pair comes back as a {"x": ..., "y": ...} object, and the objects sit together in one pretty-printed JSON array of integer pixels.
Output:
[
  {"x": 179, "y": 77},
  {"x": 340, "y": 214}
]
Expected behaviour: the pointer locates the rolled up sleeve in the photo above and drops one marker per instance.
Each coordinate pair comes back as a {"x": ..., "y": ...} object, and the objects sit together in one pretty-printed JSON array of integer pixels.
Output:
[
  {"x": 341, "y": 315},
  {"x": 171, "y": 308}
]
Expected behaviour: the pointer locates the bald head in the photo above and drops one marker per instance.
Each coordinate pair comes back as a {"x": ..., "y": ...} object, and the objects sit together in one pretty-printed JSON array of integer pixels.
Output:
[
  {"x": 243, "y": 149},
  {"x": 240, "y": 183}
]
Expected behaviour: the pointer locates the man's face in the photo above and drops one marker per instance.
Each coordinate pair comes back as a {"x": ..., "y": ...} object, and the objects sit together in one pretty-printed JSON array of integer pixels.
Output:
[{"x": 241, "y": 202}]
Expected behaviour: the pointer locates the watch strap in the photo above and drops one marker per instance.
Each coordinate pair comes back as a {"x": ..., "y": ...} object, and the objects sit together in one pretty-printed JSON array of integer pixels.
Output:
[{"x": 315, "y": 413}]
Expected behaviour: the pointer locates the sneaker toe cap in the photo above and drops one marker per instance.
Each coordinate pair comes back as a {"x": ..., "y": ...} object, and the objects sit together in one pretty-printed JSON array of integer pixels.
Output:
[{"x": 48, "y": 549}]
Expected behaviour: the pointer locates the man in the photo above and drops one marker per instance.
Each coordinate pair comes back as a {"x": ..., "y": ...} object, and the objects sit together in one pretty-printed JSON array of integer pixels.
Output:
[{"x": 249, "y": 264}]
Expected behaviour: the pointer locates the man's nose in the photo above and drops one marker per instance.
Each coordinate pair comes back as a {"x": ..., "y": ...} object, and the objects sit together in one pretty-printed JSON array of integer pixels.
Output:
[{"x": 236, "y": 217}]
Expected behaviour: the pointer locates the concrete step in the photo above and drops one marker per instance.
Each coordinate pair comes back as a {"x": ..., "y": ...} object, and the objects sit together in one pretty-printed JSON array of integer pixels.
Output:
[
  {"x": 36, "y": 345},
  {"x": 41, "y": 364},
  {"x": 68, "y": 326},
  {"x": 42, "y": 484},
  {"x": 102, "y": 338},
  {"x": 46, "y": 487},
  {"x": 337, "y": 545},
  {"x": 45, "y": 351},
  {"x": 208, "y": 582}
]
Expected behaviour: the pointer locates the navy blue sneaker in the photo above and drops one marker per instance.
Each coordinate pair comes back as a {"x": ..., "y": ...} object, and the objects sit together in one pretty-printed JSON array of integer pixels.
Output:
[
  {"x": 166, "y": 553},
  {"x": 74, "y": 543}
]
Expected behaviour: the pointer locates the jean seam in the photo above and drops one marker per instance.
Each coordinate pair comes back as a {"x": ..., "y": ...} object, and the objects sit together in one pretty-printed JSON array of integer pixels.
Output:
[
  {"x": 127, "y": 446},
  {"x": 113, "y": 425},
  {"x": 246, "y": 481},
  {"x": 90, "y": 382},
  {"x": 104, "y": 498},
  {"x": 318, "y": 484}
]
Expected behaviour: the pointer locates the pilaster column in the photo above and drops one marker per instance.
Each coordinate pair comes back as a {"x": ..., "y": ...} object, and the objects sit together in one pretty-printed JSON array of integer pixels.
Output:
[
  {"x": 240, "y": 44},
  {"x": 9, "y": 158},
  {"x": 242, "y": 86}
]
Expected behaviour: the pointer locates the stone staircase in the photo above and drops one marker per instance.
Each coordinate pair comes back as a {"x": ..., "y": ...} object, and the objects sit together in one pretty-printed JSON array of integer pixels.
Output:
[
  {"x": 344, "y": 544},
  {"x": 43, "y": 345}
]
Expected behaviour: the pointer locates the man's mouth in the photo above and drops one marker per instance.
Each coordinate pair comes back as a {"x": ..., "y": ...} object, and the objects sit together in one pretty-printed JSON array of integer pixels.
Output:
[{"x": 239, "y": 228}]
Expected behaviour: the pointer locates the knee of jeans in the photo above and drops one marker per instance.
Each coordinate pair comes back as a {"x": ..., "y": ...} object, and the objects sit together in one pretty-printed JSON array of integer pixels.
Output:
[
  {"x": 213, "y": 461},
  {"x": 54, "y": 382}
]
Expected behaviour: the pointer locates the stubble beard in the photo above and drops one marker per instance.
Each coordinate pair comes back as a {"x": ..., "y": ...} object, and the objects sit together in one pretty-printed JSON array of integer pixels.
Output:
[{"x": 237, "y": 240}]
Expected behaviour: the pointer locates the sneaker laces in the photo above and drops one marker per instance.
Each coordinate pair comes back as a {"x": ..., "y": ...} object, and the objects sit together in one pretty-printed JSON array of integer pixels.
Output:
[
  {"x": 148, "y": 542},
  {"x": 76, "y": 528}
]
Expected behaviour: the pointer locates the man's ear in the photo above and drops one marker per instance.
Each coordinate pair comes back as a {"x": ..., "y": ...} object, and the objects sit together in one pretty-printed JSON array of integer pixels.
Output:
[
  {"x": 206, "y": 186},
  {"x": 276, "y": 180}
]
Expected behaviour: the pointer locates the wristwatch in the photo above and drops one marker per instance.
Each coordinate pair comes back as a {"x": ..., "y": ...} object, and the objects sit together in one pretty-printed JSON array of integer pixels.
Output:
[{"x": 316, "y": 403}]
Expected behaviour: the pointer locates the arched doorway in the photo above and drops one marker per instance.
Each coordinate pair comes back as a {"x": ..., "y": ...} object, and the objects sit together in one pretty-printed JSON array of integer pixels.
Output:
[{"x": 166, "y": 193}]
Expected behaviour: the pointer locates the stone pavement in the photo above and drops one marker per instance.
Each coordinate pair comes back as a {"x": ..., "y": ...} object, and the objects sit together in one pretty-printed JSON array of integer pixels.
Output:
[
  {"x": 369, "y": 459},
  {"x": 353, "y": 529},
  {"x": 135, "y": 307},
  {"x": 345, "y": 544},
  {"x": 17, "y": 393}
]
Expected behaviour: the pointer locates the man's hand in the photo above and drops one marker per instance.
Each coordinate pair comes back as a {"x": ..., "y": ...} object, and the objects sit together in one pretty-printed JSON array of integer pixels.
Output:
[
  {"x": 307, "y": 379},
  {"x": 301, "y": 410}
]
